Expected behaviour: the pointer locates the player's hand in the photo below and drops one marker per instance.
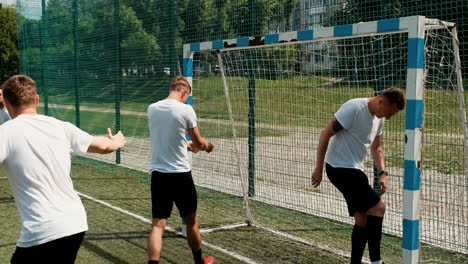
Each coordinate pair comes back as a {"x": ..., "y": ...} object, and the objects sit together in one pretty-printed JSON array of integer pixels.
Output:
[
  {"x": 191, "y": 147},
  {"x": 383, "y": 183},
  {"x": 317, "y": 177},
  {"x": 210, "y": 147},
  {"x": 118, "y": 139}
]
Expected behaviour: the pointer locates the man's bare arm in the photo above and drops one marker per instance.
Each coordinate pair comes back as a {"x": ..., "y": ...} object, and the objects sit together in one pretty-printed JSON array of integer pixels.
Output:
[
  {"x": 330, "y": 130},
  {"x": 378, "y": 157},
  {"x": 377, "y": 153},
  {"x": 198, "y": 142},
  {"x": 104, "y": 145}
]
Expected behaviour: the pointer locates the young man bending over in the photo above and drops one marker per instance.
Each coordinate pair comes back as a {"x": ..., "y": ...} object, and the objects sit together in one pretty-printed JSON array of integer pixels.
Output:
[{"x": 356, "y": 127}]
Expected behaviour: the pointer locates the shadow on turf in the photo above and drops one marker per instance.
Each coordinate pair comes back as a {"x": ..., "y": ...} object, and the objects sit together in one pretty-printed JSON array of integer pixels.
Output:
[
  {"x": 91, "y": 243},
  {"x": 7, "y": 199},
  {"x": 101, "y": 252}
]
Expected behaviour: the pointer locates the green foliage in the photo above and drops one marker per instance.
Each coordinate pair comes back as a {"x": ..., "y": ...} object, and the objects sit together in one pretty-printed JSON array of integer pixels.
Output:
[
  {"x": 9, "y": 62},
  {"x": 138, "y": 47},
  {"x": 98, "y": 120},
  {"x": 74, "y": 41},
  {"x": 215, "y": 19}
]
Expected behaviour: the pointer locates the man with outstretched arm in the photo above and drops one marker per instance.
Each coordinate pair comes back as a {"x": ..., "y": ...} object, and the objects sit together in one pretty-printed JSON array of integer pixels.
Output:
[{"x": 36, "y": 151}]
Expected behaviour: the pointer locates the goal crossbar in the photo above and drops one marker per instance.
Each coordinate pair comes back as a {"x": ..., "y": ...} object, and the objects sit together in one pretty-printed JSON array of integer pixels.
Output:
[{"x": 362, "y": 29}]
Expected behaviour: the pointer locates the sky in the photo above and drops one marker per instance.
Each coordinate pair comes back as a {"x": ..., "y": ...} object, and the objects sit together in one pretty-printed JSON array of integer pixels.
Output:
[
  {"x": 30, "y": 8},
  {"x": 8, "y": 2}
]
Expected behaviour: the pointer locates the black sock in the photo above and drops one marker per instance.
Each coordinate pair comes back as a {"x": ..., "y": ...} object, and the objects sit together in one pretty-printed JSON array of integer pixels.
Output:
[
  {"x": 153, "y": 262},
  {"x": 358, "y": 244},
  {"x": 197, "y": 256},
  {"x": 374, "y": 231}
]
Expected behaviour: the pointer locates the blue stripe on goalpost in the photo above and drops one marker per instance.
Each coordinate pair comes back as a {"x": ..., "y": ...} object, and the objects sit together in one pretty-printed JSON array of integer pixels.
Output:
[
  {"x": 305, "y": 35},
  {"x": 413, "y": 180},
  {"x": 217, "y": 44},
  {"x": 411, "y": 234},
  {"x": 414, "y": 110},
  {"x": 243, "y": 42},
  {"x": 195, "y": 46},
  {"x": 388, "y": 25},
  {"x": 189, "y": 100},
  {"x": 272, "y": 38},
  {"x": 188, "y": 67},
  {"x": 416, "y": 53},
  {"x": 341, "y": 31}
]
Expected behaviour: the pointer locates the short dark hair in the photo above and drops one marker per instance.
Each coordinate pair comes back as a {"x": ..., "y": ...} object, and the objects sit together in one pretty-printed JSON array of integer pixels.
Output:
[
  {"x": 395, "y": 96},
  {"x": 178, "y": 83},
  {"x": 19, "y": 90}
]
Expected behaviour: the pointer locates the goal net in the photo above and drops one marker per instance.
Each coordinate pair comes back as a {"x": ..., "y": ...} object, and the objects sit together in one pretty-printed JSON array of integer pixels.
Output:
[{"x": 263, "y": 101}]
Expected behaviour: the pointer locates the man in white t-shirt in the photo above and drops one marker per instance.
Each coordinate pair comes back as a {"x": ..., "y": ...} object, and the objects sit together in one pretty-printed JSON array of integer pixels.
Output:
[
  {"x": 36, "y": 152},
  {"x": 4, "y": 116},
  {"x": 171, "y": 180},
  {"x": 356, "y": 128}
]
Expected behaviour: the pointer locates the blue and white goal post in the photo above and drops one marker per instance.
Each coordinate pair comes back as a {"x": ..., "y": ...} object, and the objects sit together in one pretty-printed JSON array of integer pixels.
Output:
[{"x": 415, "y": 27}]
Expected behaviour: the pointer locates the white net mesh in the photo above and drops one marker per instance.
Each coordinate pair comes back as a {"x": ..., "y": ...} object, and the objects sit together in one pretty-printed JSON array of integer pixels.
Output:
[{"x": 282, "y": 96}]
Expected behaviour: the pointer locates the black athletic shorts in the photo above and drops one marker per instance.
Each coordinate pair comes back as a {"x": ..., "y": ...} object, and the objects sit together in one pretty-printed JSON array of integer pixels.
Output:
[
  {"x": 169, "y": 188},
  {"x": 62, "y": 250},
  {"x": 354, "y": 185}
]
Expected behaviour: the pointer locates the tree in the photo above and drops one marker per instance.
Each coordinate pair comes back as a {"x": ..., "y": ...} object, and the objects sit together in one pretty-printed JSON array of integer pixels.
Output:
[
  {"x": 9, "y": 54},
  {"x": 201, "y": 23},
  {"x": 96, "y": 35},
  {"x": 170, "y": 27},
  {"x": 252, "y": 17},
  {"x": 145, "y": 10},
  {"x": 220, "y": 19}
]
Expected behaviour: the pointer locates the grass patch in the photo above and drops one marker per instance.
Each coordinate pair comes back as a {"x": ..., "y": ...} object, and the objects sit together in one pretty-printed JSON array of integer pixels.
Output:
[
  {"x": 285, "y": 102},
  {"x": 297, "y": 100},
  {"x": 114, "y": 237},
  {"x": 137, "y": 126},
  {"x": 312, "y": 190}
]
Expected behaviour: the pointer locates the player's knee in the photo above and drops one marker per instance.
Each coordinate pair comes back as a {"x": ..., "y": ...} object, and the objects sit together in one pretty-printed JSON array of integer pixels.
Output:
[
  {"x": 159, "y": 223},
  {"x": 379, "y": 209},
  {"x": 191, "y": 219},
  {"x": 360, "y": 219}
]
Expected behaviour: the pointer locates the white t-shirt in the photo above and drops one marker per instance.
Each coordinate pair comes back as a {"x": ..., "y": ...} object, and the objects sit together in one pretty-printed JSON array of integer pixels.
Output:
[
  {"x": 4, "y": 116},
  {"x": 169, "y": 121},
  {"x": 348, "y": 148},
  {"x": 36, "y": 152}
]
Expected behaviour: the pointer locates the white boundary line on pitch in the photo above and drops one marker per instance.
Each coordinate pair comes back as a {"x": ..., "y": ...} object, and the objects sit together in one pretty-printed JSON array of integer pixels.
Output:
[
  {"x": 309, "y": 243},
  {"x": 222, "y": 228},
  {"x": 139, "y": 217}
]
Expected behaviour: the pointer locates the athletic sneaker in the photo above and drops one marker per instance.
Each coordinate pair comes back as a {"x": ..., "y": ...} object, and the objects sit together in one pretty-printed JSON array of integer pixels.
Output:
[{"x": 208, "y": 260}]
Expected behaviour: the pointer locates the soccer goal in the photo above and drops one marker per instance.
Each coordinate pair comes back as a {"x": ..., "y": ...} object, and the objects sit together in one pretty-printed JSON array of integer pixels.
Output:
[{"x": 265, "y": 99}]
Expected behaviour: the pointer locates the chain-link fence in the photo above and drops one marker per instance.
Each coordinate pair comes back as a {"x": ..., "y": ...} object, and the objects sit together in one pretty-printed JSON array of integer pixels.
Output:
[{"x": 100, "y": 63}]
